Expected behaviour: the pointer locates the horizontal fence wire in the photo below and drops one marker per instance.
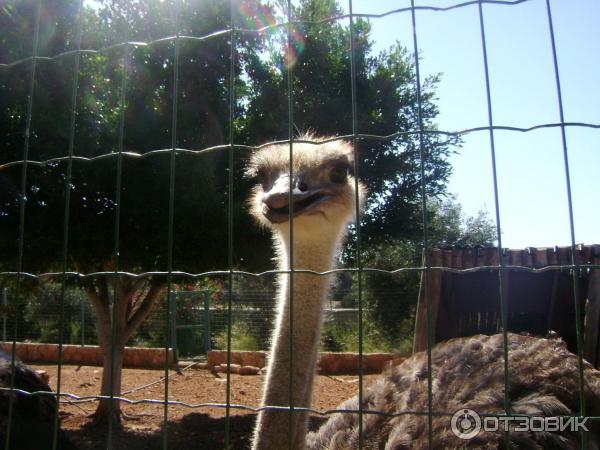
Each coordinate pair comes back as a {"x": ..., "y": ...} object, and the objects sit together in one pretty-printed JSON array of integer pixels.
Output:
[
  {"x": 199, "y": 319},
  {"x": 320, "y": 412},
  {"x": 261, "y": 30},
  {"x": 249, "y": 148},
  {"x": 177, "y": 273}
]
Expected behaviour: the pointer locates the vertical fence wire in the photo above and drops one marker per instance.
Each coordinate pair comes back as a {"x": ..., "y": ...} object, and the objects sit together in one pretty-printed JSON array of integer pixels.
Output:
[
  {"x": 67, "y": 214},
  {"x": 170, "y": 238},
  {"x": 117, "y": 229},
  {"x": 357, "y": 225},
  {"x": 230, "y": 211},
  {"x": 426, "y": 261},
  {"x": 501, "y": 293},
  {"x": 291, "y": 275},
  {"x": 574, "y": 260},
  {"x": 22, "y": 205}
]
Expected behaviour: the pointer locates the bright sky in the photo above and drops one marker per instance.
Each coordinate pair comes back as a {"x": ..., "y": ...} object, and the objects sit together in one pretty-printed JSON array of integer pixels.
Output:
[{"x": 531, "y": 171}]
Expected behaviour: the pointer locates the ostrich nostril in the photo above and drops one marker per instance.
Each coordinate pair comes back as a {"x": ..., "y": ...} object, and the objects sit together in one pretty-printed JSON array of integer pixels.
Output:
[
  {"x": 302, "y": 186},
  {"x": 276, "y": 201}
]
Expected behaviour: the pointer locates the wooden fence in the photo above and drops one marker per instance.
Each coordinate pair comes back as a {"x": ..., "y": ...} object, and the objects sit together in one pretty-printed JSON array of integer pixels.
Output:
[{"x": 538, "y": 291}]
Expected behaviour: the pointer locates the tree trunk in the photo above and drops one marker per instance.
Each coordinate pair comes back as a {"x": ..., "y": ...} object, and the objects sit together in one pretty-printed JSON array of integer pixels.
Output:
[
  {"x": 128, "y": 314},
  {"x": 110, "y": 384}
]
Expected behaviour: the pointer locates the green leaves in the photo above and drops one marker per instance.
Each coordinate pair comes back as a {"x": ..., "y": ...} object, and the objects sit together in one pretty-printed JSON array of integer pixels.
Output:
[{"x": 322, "y": 102}]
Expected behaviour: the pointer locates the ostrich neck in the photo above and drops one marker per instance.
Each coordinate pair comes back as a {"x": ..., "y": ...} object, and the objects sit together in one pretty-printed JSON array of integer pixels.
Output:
[{"x": 309, "y": 294}]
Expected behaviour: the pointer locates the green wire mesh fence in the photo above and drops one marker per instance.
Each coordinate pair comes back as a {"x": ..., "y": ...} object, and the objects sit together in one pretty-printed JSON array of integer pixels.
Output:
[
  {"x": 112, "y": 69},
  {"x": 198, "y": 321}
]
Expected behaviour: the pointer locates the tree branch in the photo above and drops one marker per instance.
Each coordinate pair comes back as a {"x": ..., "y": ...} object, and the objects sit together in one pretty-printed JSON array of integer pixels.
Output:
[
  {"x": 94, "y": 296},
  {"x": 100, "y": 305},
  {"x": 134, "y": 286},
  {"x": 143, "y": 311}
]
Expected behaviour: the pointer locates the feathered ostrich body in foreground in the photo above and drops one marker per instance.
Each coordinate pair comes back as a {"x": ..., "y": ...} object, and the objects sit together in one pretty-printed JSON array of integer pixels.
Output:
[
  {"x": 32, "y": 422},
  {"x": 467, "y": 373}
]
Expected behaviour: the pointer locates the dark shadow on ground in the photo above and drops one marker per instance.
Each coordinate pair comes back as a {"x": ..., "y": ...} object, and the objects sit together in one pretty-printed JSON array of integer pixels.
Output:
[{"x": 194, "y": 431}]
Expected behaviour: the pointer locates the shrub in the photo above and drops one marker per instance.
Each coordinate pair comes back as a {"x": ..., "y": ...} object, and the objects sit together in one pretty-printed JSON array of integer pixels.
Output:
[
  {"x": 241, "y": 338},
  {"x": 344, "y": 338}
]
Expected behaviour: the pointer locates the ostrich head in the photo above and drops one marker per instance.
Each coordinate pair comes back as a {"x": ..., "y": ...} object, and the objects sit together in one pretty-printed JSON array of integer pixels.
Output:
[{"x": 322, "y": 188}]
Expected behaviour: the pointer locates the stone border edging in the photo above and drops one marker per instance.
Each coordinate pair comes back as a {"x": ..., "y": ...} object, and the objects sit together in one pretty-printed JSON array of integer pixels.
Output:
[
  {"x": 89, "y": 355},
  {"x": 329, "y": 363}
]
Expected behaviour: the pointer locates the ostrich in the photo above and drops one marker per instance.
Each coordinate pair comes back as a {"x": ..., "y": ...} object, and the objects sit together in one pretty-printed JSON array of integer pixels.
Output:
[
  {"x": 323, "y": 195},
  {"x": 32, "y": 424},
  {"x": 466, "y": 372}
]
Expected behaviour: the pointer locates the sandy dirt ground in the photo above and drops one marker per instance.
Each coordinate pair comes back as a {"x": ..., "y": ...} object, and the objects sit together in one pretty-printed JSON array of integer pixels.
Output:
[{"x": 201, "y": 427}]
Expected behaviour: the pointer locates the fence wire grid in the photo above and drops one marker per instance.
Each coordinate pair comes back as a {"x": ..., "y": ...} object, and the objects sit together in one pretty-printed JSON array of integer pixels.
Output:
[{"x": 235, "y": 35}]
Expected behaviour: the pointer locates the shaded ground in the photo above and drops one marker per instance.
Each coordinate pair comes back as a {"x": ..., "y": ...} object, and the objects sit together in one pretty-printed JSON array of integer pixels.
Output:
[{"x": 201, "y": 427}]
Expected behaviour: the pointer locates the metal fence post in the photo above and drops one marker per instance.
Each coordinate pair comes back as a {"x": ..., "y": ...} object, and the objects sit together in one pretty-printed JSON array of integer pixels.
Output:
[
  {"x": 207, "y": 345},
  {"x": 82, "y": 318},
  {"x": 173, "y": 319},
  {"x": 5, "y": 308}
]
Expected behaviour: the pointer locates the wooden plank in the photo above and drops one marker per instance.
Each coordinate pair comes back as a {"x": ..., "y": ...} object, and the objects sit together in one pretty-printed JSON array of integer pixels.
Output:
[
  {"x": 446, "y": 324},
  {"x": 433, "y": 278},
  {"x": 564, "y": 256},
  {"x": 515, "y": 257},
  {"x": 553, "y": 256},
  {"x": 591, "y": 350},
  {"x": 493, "y": 257},
  {"x": 420, "y": 336},
  {"x": 527, "y": 258},
  {"x": 467, "y": 258},
  {"x": 481, "y": 257},
  {"x": 541, "y": 258},
  {"x": 552, "y": 305},
  {"x": 586, "y": 254},
  {"x": 457, "y": 261},
  {"x": 506, "y": 276}
]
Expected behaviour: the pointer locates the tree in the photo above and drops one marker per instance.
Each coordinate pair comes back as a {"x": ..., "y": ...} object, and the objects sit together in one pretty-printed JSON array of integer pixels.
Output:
[
  {"x": 113, "y": 231},
  {"x": 392, "y": 299},
  {"x": 119, "y": 211},
  {"x": 450, "y": 227},
  {"x": 386, "y": 104}
]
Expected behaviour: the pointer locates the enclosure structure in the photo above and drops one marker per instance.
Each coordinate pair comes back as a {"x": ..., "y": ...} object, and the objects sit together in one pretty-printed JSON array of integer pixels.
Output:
[{"x": 463, "y": 287}]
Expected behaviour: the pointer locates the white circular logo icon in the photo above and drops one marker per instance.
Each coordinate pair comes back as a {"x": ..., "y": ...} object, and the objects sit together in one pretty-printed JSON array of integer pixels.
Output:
[{"x": 466, "y": 423}]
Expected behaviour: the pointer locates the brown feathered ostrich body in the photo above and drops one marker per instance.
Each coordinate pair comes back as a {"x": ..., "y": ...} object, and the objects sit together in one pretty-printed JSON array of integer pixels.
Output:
[
  {"x": 467, "y": 373},
  {"x": 32, "y": 421}
]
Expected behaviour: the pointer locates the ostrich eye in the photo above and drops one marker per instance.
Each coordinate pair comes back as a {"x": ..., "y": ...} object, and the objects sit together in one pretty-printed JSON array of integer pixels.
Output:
[{"x": 339, "y": 173}]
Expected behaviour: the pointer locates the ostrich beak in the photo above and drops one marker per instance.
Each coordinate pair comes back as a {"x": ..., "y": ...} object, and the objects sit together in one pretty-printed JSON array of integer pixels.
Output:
[{"x": 276, "y": 202}]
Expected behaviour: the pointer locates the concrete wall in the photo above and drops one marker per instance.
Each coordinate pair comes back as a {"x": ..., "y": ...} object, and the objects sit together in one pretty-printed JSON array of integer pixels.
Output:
[
  {"x": 89, "y": 355},
  {"x": 329, "y": 363}
]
